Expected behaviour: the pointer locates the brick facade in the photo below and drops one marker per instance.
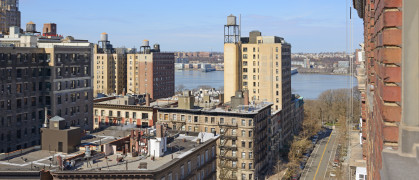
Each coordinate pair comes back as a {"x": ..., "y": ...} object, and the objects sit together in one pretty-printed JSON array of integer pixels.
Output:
[{"x": 381, "y": 100}]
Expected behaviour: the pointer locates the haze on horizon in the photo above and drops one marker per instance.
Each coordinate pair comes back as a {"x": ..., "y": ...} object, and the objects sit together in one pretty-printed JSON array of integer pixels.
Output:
[{"x": 310, "y": 26}]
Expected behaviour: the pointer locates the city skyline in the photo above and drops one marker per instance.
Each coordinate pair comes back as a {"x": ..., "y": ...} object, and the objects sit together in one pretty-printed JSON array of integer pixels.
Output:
[{"x": 307, "y": 25}]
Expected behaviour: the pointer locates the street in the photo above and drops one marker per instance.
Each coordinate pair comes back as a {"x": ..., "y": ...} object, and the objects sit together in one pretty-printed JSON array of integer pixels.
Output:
[{"x": 321, "y": 158}]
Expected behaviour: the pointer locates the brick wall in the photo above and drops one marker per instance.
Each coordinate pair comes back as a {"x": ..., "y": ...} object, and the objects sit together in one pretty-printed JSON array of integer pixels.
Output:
[{"x": 383, "y": 39}]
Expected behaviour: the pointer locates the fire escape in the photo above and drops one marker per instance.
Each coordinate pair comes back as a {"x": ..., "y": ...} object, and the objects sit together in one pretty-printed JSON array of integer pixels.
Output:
[{"x": 226, "y": 161}]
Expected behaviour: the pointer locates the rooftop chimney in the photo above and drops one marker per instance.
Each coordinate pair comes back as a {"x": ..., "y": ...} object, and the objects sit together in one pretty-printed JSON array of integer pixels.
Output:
[
  {"x": 147, "y": 99},
  {"x": 246, "y": 97},
  {"x": 159, "y": 131}
]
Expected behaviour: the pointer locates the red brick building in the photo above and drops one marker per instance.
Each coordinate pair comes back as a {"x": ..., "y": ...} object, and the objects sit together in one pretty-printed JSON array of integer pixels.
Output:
[{"x": 390, "y": 103}]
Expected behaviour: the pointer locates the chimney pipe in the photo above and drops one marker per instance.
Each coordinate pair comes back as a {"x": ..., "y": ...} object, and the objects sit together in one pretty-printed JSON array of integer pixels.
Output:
[
  {"x": 147, "y": 99},
  {"x": 246, "y": 97}
]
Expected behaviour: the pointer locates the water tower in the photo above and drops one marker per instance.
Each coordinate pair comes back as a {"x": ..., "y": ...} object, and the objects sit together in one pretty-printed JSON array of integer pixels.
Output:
[
  {"x": 231, "y": 30},
  {"x": 145, "y": 47},
  {"x": 104, "y": 43},
  {"x": 31, "y": 27}
]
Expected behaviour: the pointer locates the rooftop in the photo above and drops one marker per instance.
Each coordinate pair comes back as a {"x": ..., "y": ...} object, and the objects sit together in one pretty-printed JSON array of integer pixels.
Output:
[{"x": 180, "y": 147}]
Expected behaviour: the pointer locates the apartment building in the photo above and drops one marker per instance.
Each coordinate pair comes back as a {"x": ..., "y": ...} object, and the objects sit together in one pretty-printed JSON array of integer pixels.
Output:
[
  {"x": 9, "y": 15},
  {"x": 242, "y": 148},
  {"x": 123, "y": 111},
  {"x": 54, "y": 75},
  {"x": 389, "y": 88},
  {"x": 110, "y": 67},
  {"x": 151, "y": 71},
  {"x": 261, "y": 65}
]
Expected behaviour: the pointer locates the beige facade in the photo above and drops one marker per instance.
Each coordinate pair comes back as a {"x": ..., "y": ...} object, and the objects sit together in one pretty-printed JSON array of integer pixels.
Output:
[
  {"x": 9, "y": 15},
  {"x": 242, "y": 147},
  {"x": 109, "y": 72},
  {"x": 264, "y": 69}
]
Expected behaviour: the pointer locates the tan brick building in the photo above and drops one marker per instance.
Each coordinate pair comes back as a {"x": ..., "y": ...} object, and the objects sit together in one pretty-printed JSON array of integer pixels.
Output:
[
  {"x": 110, "y": 67},
  {"x": 261, "y": 65},
  {"x": 242, "y": 148},
  {"x": 389, "y": 87}
]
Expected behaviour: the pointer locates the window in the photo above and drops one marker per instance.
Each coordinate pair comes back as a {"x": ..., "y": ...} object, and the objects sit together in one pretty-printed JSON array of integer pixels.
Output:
[
  {"x": 221, "y": 120},
  {"x": 250, "y": 155},
  {"x": 144, "y": 115},
  {"x": 189, "y": 167},
  {"x": 234, "y": 164},
  {"x": 243, "y": 155},
  {"x": 245, "y": 49},
  {"x": 182, "y": 172},
  {"x": 250, "y": 165},
  {"x": 250, "y": 133},
  {"x": 234, "y": 153},
  {"x": 243, "y": 133},
  {"x": 134, "y": 115},
  {"x": 206, "y": 119},
  {"x": 243, "y": 144},
  {"x": 244, "y": 69},
  {"x": 110, "y": 113},
  {"x": 174, "y": 117},
  {"x": 243, "y": 122},
  {"x": 243, "y": 166},
  {"x": 195, "y": 119},
  {"x": 212, "y": 120},
  {"x": 244, "y": 56},
  {"x": 250, "y": 123}
]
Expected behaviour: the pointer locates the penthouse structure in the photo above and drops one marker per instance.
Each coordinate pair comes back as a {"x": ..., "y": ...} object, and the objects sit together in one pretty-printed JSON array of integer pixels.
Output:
[
  {"x": 151, "y": 71},
  {"x": 242, "y": 147},
  {"x": 389, "y": 88},
  {"x": 123, "y": 111},
  {"x": 9, "y": 15},
  {"x": 110, "y": 67},
  {"x": 38, "y": 73}
]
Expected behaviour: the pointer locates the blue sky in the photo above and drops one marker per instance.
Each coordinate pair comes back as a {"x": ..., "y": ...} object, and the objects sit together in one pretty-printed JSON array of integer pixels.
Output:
[{"x": 194, "y": 25}]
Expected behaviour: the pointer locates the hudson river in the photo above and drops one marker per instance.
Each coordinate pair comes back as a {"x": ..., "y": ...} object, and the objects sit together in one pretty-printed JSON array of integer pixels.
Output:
[{"x": 310, "y": 86}]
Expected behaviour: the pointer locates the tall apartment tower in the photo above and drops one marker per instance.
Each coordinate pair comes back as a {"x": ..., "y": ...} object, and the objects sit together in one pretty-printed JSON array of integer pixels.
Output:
[
  {"x": 52, "y": 79},
  {"x": 258, "y": 64},
  {"x": 389, "y": 87},
  {"x": 9, "y": 15},
  {"x": 110, "y": 68},
  {"x": 151, "y": 71}
]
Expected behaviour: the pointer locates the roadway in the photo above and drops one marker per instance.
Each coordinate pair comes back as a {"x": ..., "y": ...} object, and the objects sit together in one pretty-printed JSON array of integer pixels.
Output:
[{"x": 320, "y": 161}]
